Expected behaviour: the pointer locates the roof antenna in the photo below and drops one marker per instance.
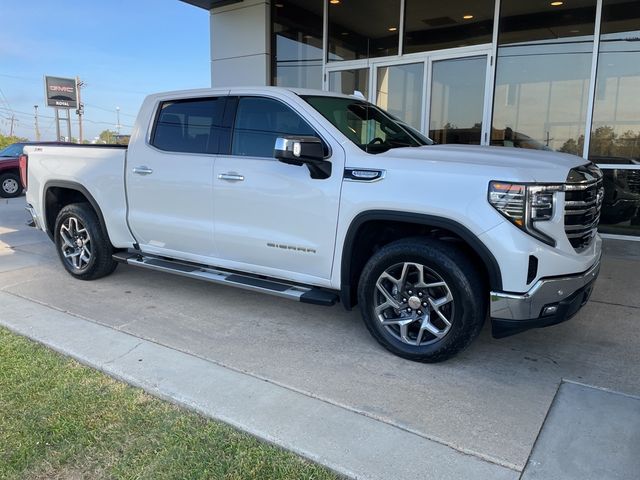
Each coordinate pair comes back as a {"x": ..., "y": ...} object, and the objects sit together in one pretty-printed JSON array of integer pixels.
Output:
[{"x": 358, "y": 94}]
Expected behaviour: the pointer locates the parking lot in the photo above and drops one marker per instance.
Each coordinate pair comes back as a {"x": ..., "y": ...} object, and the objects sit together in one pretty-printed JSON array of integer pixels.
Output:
[{"x": 490, "y": 401}]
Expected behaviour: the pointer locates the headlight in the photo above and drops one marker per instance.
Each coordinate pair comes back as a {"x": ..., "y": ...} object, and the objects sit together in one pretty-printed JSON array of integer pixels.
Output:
[{"x": 523, "y": 205}]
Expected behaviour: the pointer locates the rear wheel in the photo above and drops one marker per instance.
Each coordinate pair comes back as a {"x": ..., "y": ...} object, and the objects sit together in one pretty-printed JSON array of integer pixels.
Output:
[
  {"x": 82, "y": 245},
  {"x": 422, "y": 299},
  {"x": 10, "y": 185}
]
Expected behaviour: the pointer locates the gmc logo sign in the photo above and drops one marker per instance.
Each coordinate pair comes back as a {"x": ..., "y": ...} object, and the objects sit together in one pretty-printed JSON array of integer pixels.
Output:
[{"x": 60, "y": 88}]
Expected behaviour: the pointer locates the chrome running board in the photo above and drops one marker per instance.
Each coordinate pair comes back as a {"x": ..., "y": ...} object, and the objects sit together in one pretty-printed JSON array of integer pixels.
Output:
[{"x": 305, "y": 294}]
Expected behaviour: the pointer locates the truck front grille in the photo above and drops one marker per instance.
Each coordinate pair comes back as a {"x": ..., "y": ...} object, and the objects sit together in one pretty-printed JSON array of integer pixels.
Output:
[
  {"x": 583, "y": 200},
  {"x": 633, "y": 179}
]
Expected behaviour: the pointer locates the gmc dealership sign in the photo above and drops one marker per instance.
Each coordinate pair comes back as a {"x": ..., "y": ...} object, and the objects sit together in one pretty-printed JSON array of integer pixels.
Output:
[{"x": 61, "y": 92}]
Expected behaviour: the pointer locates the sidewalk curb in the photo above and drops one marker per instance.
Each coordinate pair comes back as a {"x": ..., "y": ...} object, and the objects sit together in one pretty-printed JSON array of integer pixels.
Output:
[{"x": 349, "y": 443}]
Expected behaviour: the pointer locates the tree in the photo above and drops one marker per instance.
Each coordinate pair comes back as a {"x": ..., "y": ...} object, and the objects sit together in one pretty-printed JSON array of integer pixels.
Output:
[
  {"x": 605, "y": 142},
  {"x": 573, "y": 146},
  {"x": 6, "y": 140},
  {"x": 107, "y": 136}
]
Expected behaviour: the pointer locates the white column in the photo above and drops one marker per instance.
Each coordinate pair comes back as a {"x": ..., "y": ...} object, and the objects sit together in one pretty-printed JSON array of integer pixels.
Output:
[{"x": 240, "y": 44}]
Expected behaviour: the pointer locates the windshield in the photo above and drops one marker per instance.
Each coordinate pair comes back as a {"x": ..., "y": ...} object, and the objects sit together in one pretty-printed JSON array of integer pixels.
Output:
[
  {"x": 369, "y": 127},
  {"x": 12, "y": 150}
]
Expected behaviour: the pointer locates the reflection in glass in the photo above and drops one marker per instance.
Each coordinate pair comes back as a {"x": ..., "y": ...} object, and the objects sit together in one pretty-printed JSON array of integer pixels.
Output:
[
  {"x": 542, "y": 74},
  {"x": 350, "y": 81},
  {"x": 363, "y": 29},
  {"x": 457, "y": 100},
  {"x": 615, "y": 130},
  {"x": 370, "y": 128},
  {"x": 454, "y": 23},
  {"x": 297, "y": 43},
  {"x": 615, "y": 135},
  {"x": 399, "y": 92},
  {"x": 621, "y": 205},
  {"x": 536, "y": 21},
  {"x": 541, "y": 99}
]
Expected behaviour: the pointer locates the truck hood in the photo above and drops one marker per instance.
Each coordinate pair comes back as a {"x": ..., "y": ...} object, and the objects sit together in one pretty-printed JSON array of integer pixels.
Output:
[{"x": 515, "y": 164}]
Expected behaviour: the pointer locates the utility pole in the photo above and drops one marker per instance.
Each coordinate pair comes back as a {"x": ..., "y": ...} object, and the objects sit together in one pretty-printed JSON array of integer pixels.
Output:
[
  {"x": 80, "y": 110},
  {"x": 57, "y": 110},
  {"x": 118, "y": 120},
  {"x": 13, "y": 119},
  {"x": 35, "y": 108}
]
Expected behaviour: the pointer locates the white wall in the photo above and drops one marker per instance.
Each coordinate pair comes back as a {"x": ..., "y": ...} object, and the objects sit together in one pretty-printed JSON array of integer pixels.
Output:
[{"x": 240, "y": 44}]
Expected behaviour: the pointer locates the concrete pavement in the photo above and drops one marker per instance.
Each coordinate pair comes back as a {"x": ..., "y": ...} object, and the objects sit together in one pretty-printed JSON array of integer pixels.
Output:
[
  {"x": 351, "y": 444},
  {"x": 489, "y": 403},
  {"x": 589, "y": 434}
]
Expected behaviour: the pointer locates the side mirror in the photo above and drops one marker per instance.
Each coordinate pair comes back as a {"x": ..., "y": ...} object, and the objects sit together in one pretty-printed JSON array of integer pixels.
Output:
[{"x": 303, "y": 150}]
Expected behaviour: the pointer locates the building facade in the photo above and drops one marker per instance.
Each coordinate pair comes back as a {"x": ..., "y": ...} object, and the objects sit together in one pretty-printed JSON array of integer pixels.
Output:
[{"x": 543, "y": 74}]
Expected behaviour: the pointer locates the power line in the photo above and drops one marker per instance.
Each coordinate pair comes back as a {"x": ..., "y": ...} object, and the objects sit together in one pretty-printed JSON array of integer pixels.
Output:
[
  {"x": 18, "y": 77},
  {"x": 19, "y": 113},
  {"x": 110, "y": 110},
  {"x": 46, "y": 130},
  {"x": 6, "y": 100},
  {"x": 107, "y": 89}
]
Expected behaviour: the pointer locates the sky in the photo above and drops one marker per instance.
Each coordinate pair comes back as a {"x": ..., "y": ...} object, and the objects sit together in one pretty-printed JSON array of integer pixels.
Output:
[{"x": 122, "y": 50}]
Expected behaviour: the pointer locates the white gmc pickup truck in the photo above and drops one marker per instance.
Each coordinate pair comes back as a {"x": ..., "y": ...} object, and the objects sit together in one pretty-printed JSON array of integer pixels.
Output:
[{"x": 322, "y": 198}]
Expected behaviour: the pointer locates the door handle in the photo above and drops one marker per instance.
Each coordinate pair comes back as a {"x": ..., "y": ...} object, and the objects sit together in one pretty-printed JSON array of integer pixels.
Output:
[
  {"x": 142, "y": 170},
  {"x": 231, "y": 177}
]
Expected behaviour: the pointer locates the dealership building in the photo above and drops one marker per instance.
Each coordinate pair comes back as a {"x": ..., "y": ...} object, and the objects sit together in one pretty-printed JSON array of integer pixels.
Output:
[{"x": 544, "y": 74}]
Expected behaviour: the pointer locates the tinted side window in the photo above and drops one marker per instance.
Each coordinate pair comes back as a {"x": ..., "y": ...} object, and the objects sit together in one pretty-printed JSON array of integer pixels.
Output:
[
  {"x": 193, "y": 126},
  {"x": 259, "y": 121}
]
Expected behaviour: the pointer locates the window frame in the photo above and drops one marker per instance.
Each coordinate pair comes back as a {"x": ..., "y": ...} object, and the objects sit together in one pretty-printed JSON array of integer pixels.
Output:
[
  {"x": 326, "y": 145},
  {"x": 158, "y": 112}
]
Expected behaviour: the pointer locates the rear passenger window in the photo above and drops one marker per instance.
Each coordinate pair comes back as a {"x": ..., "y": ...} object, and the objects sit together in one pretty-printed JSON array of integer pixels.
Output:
[
  {"x": 192, "y": 126},
  {"x": 259, "y": 121}
]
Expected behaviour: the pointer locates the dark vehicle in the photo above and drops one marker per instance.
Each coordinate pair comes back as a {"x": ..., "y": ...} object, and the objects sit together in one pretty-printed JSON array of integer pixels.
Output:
[
  {"x": 10, "y": 184},
  {"x": 621, "y": 191}
]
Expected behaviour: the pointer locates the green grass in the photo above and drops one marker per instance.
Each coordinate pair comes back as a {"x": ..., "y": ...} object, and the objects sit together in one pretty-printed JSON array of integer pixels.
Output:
[{"x": 61, "y": 420}]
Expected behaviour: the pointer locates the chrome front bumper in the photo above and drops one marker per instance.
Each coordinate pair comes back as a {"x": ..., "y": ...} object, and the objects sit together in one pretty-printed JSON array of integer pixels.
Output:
[{"x": 550, "y": 301}]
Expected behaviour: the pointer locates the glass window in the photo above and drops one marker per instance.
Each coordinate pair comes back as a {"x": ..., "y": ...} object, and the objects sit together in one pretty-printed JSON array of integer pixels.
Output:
[
  {"x": 297, "y": 43},
  {"x": 350, "y": 81},
  {"x": 193, "y": 126},
  {"x": 457, "y": 100},
  {"x": 399, "y": 92},
  {"x": 447, "y": 24},
  {"x": 621, "y": 204},
  {"x": 615, "y": 132},
  {"x": 364, "y": 124},
  {"x": 14, "y": 150},
  {"x": 543, "y": 73},
  {"x": 615, "y": 135},
  {"x": 259, "y": 121},
  {"x": 363, "y": 28},
  {"x": 543, "y": 20}
]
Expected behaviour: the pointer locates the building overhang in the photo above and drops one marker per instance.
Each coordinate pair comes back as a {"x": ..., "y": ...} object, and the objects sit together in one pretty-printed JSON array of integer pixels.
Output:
[{"x": 210, "y": 4}]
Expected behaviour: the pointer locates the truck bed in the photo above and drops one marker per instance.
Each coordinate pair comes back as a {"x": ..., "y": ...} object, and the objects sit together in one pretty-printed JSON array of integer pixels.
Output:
[{"x": 96, "y": 170}]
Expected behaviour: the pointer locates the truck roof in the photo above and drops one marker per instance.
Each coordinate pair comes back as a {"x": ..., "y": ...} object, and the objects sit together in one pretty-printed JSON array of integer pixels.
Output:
[{"x": 198, "y": 92}]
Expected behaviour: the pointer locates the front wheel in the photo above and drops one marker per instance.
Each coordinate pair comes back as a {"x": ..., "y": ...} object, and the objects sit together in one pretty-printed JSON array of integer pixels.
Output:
[
  {"x": 82, "y": 245},
  {"x": 422, "y": 299},
  {"x": 10, "y": 186}
]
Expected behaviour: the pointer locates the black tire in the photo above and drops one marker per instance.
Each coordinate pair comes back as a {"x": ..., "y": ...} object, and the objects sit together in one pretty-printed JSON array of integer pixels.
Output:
[
  {"x": 10, "y": 185},
  {"x": 463, "y": 282},
  {"x": 100, "y": 262}
]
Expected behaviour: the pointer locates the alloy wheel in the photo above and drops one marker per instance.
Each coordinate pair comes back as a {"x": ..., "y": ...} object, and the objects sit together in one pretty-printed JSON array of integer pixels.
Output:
[
  {"x": 76, "y": 243},
  {"x": 413, "y": 303}
]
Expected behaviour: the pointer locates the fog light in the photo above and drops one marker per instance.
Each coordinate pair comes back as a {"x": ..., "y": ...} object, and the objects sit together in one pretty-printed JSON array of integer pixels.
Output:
[{"x": 550, "y": 310}]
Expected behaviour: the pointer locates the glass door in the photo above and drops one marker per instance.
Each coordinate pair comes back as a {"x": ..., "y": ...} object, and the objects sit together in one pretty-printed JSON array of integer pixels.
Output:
[
  {"x": 442, "y": 95},
  {"x": 399, "y": 91},
  {"x": 350, "y": 81},
  {"x": 456, "y": 100}
]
